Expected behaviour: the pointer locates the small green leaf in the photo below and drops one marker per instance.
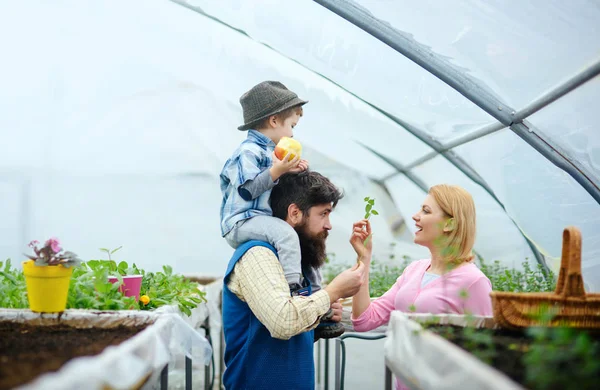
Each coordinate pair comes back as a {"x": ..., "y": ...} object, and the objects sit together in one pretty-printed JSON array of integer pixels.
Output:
[
  {"x": 374, "y": 212},
  {"x": 366, "y": 199},
  {"x": 185, "y": 310},
  {"x": 114, "y": 250}
]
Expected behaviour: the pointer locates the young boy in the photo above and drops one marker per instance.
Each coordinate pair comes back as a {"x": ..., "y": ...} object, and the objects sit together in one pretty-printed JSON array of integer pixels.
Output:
[{"x": 271, "y": 111}]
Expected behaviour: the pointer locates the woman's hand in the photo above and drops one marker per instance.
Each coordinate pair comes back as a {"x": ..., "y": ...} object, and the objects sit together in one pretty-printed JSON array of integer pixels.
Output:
[{"x": 361, "y": 240}]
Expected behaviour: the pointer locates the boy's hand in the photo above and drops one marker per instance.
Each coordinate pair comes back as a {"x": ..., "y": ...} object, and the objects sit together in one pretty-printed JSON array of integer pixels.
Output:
[
  {"x": 280, "y": 167},
  {"x": 302, "y": 166}
]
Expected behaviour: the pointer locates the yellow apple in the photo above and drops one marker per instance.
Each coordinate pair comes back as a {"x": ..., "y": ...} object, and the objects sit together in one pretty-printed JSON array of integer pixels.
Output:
[{"x": 288, "y": 146}]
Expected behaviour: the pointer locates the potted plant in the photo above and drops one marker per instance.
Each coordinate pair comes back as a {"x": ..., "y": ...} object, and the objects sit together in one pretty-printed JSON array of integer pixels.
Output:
[
  {"x": 47, "y": 276},
  {"x": 129, "y": 279}
]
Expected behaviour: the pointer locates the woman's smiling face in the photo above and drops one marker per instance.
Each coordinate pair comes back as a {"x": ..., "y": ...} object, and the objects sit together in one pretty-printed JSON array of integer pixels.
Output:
[{"x": 429, "y": 221}]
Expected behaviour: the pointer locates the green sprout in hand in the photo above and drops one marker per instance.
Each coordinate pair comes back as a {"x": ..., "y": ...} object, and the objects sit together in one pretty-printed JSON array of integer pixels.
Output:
[{"x": 369, "y": 210}]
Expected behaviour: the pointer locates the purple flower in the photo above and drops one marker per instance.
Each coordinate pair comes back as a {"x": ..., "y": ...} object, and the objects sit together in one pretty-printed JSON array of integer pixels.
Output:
[
  {"x": 54, "y": 244},
  {"x": 33, "y": 243}
]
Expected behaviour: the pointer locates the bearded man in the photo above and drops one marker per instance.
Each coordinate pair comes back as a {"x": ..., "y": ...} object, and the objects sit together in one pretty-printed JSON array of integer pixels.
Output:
[{"x": 268, "y": 331}]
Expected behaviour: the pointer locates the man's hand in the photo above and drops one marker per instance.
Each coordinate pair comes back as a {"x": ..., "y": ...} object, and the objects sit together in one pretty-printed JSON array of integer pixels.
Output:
[
  {"x": 336, "y": 307},
  {"x": 347, "y": 283}
]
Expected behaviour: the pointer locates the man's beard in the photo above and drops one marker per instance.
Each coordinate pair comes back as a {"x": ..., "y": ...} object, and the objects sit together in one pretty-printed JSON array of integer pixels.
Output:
[{"x": 312, "y": 246}]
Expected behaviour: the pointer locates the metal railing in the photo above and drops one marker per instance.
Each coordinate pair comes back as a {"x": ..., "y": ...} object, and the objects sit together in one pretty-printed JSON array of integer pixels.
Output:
[
  {"x": 209, "y": 371},
  {"x": 322, "y": 368}
]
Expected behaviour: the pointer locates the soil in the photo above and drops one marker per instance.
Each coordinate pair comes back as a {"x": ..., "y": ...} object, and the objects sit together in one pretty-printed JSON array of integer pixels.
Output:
[
  {"x": 27, "y": 351},
  {"x": 505, "y": 350}
]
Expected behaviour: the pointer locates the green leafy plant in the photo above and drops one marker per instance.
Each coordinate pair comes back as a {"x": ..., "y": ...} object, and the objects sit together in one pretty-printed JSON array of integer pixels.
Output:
[
  {"x": 13, "y": 291},
  {"x": 164, "y": 288},
  {"x": 383, "y": 275},
  {"x": 90, "y": 289},
  {"x": 556, "y": 353},
  {"x": 115, "y": 269},
  {"x": 480, "y": 343},
  {"x": 158, "y": 288},
  {"x": 121, "y": 268},
  {"x": 509, "y": 279}
]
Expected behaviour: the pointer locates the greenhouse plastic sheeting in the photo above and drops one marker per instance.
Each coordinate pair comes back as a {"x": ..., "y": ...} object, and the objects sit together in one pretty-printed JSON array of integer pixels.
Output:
[
  {"x": 500, "y": 42},
  {"x": 423, "y": 360},
  {"x": 572, "y": 123},
  {"x": 330, "y": 46},
  {"x": 118, "y": 116},
  {"x": 126, "y": 364}
]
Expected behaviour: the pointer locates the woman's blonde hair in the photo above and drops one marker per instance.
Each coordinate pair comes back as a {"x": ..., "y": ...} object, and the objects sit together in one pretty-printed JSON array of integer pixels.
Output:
[{"x": 458, "y": 204}]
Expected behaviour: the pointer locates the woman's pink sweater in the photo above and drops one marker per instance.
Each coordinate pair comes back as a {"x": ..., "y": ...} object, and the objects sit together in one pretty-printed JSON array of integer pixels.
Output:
[{"x": 463, "y": 290}]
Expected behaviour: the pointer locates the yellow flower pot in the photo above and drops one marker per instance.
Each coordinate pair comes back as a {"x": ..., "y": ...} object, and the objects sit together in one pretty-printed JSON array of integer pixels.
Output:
[{"x": 47, "y": 287}]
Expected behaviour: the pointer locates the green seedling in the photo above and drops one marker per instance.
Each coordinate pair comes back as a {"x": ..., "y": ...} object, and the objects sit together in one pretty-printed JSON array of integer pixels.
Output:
[
  {"x": 110, "y": 252},
  {"x": 369, "y": 210}
]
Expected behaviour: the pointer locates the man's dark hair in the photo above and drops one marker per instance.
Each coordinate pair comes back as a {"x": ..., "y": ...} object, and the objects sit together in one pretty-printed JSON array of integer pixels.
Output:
[{"x": 305, "y": 189}]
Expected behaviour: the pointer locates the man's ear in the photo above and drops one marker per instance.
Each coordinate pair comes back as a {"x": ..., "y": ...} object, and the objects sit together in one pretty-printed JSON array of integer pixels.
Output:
[
  {"x": 294, "y": 215},
  {"x": 450, "y": 225}
]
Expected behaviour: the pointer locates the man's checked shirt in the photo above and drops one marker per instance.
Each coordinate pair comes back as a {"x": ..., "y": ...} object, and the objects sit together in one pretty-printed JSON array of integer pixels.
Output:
[{"x": 258, "y": 280}]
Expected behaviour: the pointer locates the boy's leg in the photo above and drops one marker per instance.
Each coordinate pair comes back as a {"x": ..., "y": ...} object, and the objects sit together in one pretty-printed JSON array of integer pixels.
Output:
[
  {"x": 232, "y": 237},
  {"x": 279, "y": 234},
  {"x": 315, "y": 277}
]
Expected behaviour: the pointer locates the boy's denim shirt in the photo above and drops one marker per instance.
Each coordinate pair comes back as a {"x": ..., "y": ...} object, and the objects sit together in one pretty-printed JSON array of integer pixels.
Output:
[{"x": 251, "y": 158}]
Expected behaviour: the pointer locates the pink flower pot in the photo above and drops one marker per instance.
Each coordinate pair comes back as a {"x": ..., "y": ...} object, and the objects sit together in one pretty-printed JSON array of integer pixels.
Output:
[{"x": 131, "y": 285}]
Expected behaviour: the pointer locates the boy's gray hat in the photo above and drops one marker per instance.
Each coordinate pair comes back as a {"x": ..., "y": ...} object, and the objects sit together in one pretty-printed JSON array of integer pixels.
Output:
[{"x": 266, "y": 99}]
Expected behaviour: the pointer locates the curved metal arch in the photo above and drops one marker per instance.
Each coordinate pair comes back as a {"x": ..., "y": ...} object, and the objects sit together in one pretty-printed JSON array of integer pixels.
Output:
[{"x": 471, "y": 88}]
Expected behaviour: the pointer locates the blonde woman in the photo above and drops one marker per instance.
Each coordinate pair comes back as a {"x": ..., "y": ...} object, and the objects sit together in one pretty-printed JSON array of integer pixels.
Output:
[{"x": 447, "y": 282}]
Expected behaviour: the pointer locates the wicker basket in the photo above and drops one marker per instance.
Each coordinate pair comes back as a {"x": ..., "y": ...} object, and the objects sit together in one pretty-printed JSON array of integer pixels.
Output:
[{"x": 569, "y": 304}]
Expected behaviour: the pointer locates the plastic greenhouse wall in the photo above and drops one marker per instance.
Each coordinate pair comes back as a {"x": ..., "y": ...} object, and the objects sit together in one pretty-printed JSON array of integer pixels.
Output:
[{"x": 117, "y": 117}]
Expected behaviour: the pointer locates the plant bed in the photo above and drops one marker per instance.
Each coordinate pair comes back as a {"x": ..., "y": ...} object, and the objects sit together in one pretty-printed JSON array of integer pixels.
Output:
[
  {"x": 538, "y": 358},
  {"x": 80, "y": 349},
  {"x": 27, "y": 351},
  {"x": 449, "y": 356}
]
